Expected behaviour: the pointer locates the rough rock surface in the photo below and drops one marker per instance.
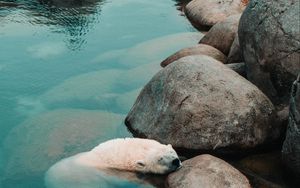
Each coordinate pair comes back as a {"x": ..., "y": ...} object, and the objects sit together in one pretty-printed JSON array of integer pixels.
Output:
[
  {"x": 200, "y": 49},
  {"x": 208, "y": 13},
  {"x": 197, "y": 103},
  {"x": 291, "y": 146},
  {"x": 235, "y": 54},
  {"x": 222, "y": 35},
  {"x": 269, "y": 36},
  {"x": 207, "y": 171}
]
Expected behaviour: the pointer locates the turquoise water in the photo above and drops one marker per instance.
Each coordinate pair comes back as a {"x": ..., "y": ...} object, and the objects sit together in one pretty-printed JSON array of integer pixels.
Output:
[{"x": 69, "y": 73}]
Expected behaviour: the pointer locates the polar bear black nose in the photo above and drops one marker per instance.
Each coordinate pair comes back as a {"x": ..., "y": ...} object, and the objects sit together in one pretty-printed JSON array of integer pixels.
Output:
[{"x": 176, "y": 162}]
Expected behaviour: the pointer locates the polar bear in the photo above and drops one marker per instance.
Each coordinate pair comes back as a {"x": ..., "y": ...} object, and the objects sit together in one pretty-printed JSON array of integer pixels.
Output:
[{"x": 127, "y": 154}]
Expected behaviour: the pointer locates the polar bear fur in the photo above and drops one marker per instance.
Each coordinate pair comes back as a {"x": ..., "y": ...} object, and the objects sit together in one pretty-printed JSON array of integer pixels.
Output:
[{"x": 129, "y": 154}]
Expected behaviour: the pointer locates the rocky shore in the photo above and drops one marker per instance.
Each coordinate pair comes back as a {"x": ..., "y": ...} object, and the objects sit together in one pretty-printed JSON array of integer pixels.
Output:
[{"x": 233, "y": 96}]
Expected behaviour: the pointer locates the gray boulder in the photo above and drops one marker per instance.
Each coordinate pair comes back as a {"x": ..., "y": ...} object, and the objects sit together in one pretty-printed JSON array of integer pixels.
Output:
[
  {"x": 203, "y": 13},
  {"x": 291, "y": 146},
  {"x": 207, "y": 171},
  {"x": 200, "y": 49},
  {"x": 222, "y": 35},
  {"x": 197, "y": 103},
  {"x": 269, "y": 36}
]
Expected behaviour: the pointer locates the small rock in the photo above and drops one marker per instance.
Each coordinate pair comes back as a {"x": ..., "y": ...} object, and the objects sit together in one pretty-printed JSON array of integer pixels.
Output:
[
  {"x": 200, "y": 49},
  {"x": 235, "y": 54},
  {"x": 207, "y": 171},
  {"x": 222, "y": 35},
  {"x": 240, "y": 68},
  {"x": 203, "y": 13}
]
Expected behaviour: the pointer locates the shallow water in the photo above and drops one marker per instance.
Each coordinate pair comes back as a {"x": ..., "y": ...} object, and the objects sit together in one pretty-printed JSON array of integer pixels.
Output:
[{"x": 69, "y": 73}]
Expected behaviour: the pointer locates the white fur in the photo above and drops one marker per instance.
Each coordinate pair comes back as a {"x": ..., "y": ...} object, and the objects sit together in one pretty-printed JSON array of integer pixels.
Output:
[{"x": 130, "y": 154}]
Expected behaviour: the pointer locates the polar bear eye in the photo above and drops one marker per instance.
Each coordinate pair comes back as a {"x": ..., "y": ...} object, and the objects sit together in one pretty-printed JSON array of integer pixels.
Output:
[{"x": 160, "y": 159}]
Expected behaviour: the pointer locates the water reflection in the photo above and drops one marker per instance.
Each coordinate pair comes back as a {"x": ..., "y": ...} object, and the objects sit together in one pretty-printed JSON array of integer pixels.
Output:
[{"x": 74, "y": 18}]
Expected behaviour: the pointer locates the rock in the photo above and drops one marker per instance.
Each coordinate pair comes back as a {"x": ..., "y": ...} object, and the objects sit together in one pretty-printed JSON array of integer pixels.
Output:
[
  {"x": 269, "y": 36},
  {"x": 156, "y": 49},
  {"x": 99, "y": 89},
  {"x": 291, "y": 146},
  {"x": 263, "y": 170},
  {"x": 240, "y": 68},
  {"x": 222, "y": 35},
  {"x": 207, "y": 171},
  {"x": 36, "y": 144},
  {"x": 200, "y": 49},
  {"x": 235, "y": 54},
  {"x": 208, "y": 13},
  {"x": 197, "y": 103}
]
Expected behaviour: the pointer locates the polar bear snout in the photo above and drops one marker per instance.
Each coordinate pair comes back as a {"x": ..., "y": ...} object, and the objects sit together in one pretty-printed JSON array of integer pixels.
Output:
[{"x": 176, "y": 163}]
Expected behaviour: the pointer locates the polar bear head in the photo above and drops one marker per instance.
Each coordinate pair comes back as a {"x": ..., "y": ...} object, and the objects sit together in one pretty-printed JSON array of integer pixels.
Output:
[{"x": 159, "y": 160}]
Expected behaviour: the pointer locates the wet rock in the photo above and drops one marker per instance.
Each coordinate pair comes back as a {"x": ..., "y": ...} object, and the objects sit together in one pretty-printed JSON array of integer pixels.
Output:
[
  {"x": 197, "y": 103},
  {"x": 263, "y": 170},
  {"x": 240, "y": 68},
  {"x": 235, "y": 54},
  {"x": 222, "y": 35},
  {"x": 291, "y": 146},
  {"x": 200, "y": 49},
  {"x": 207, "y": 171},
  {"x": 269, "y": 36},
  {"x": 208, "y": 13},
  {"x": 36, "y": 144}
]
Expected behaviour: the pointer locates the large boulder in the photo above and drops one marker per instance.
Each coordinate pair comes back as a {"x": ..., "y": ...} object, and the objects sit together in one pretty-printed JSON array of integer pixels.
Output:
[
  {"x": 197, "y": 103},
  {"x": 291, "y": 146},
  {"x": 207, "y": 171},
  {"x": 221, "y": 35},
  {"x": 269, "y": 36},
  {"x": 200, "y": 49},
  {"x": 36, "y": 144},
  {"x": 207, "y": 13}
]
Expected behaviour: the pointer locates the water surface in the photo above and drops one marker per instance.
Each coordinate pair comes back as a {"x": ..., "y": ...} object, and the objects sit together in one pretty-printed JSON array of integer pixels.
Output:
[{"x": 69, "y": 73}]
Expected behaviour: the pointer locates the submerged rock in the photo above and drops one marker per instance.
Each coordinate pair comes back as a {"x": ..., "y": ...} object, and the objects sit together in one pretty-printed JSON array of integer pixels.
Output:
[
  {"x": 208, "y": 13},
  {"x": 221, "y": 35},
  {"x": 197, "y": 103},
  {"x": 207, "y": 171},
  {"x": 200, "y": 49},
  {"x": 291, "y": 146},
  {"x": 269, "y": 36},
  {"x": 151, "y": 50},
  {"x": 99, "y": 89},
  {"x": 36, "y": 144}
]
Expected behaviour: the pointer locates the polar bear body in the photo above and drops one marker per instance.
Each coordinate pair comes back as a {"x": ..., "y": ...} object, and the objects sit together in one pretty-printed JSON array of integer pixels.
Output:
[{"x": 129, "y": 154}]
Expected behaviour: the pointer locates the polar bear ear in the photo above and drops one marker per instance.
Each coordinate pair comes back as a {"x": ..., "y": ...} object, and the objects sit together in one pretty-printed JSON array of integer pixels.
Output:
[
  {"x": 140, "y": 164},
  {"x": 169, "y": 145}
]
